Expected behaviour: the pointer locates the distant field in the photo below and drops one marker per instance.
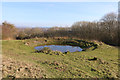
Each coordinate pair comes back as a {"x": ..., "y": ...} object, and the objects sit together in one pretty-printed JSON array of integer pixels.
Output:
[{"x": 21, "y": 61}]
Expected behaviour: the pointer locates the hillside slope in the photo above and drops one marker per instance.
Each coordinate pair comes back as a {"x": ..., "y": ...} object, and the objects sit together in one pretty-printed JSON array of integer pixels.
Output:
[{"x": 21, "y": 61}]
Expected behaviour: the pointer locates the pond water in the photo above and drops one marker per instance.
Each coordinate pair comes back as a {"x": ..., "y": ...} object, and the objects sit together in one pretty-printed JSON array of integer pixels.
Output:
[{"x": 62, "y": 48}]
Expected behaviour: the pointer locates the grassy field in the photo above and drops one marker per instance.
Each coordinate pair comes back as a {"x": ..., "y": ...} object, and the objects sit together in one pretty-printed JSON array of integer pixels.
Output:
[{"x": 21, "y": 61}]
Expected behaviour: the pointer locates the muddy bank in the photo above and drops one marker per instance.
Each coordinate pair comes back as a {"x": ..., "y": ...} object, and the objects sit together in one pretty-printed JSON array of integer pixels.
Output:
[{"x": 17, "y": 69}]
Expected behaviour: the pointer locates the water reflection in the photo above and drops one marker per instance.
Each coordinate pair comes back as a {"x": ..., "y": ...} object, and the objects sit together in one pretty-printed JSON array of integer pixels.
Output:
[{"x": 62, "y": 48}]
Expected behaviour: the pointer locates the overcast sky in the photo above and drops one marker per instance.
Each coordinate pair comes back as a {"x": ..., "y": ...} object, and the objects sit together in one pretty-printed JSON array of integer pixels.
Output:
[{"x": 48, "y": 14}]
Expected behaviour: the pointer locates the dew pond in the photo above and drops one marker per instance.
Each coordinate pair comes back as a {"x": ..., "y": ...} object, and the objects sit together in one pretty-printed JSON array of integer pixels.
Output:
[{"x": 62, "y": 48}]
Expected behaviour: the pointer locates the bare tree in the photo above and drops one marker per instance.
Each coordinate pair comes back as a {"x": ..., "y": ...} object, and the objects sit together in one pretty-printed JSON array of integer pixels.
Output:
[{"x": 8, "y": 31}]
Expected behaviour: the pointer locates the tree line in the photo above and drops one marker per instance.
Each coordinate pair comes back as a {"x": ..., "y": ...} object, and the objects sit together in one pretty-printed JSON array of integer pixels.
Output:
[{"x": 105, "y": 30}]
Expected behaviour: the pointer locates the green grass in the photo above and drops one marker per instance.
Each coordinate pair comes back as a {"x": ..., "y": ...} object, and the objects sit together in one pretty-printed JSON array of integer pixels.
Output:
[{"x": 72, "y": 65}]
